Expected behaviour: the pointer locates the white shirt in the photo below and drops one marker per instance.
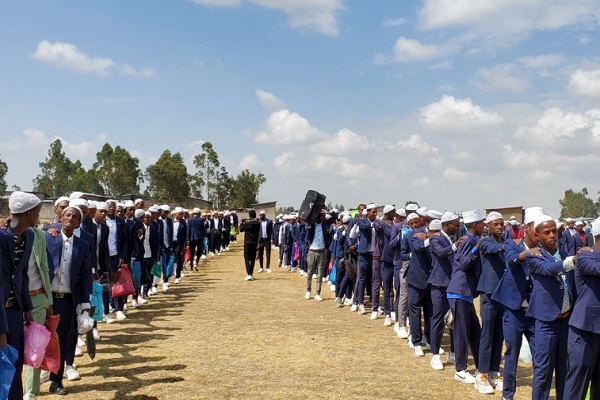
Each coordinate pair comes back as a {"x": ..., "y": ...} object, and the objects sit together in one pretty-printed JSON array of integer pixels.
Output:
[
  {"x": 318, "y": 242},
  {"x": 98, "y": 237},
  {"x": 175, "y": 228},
  {"x": 147, "y": 251},
  {"x": 62, "y": 277},
  {"x": 165, "y": 233},
  {"x": 263, "y": 229},
  {"x": 112, "y": 236}
]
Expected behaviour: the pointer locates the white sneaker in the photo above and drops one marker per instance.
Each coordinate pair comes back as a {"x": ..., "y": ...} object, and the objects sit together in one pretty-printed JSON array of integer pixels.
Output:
[
  {"x": 464, "y": 377},
  {"x": 307, "y": 295},
  {"x": 108, "y": 319},
  {"x": 451, "y": 359},
  {"x": 402, "y": 334},
  {"x": 418, "y": 351},
  {"x": 482, "y": 384},
  {"x": 318, "y": 298},
  {"x": 44, "y": 376},
  {"x": 211, "y": 254},
  {"x": 136, "y": 304},
  {"x": 374, "y": 315},
  {"x": 80, "y": 342},
  {"x": 409, "y": 342},
  {"x": 332, "y": 288},
  {"x": 348, "y": 302},
  {"x": 393, "y": 315},
  {"x": 29, "y": 396},
  {"x": 182, "y": 275},
  {"x": 314, "y": 276},
  {"x": 495, "y": 380},
  {"x": 219, "y": 253},
  {"x": 396, "y": 327},
  {"x": 323, "y": 280},
  {"x": 96, "y": 334},
  {"x": 177, "y": 280},
  {"x": 125, "y": 307},
  {"x": 165, "y": 287},
  {"x": 121, "y": 315},
  {"x": 269, "y": 270},
  {"x": 142, "y": 300},
  {"x": 387, "y": 321},
  {"x": 154, "y": 290},
  {"x": 71, "y": 373},
  {"x": 78, "y": 352},
  {"x": 361, "y": 309},
  {"x": 353, "y": 308},
  {"x": 203, "y": 257},
  {"x": 260, "y": 270},
  {"x": 248, "y": 278},
  {"x": 436, "y": 362}
]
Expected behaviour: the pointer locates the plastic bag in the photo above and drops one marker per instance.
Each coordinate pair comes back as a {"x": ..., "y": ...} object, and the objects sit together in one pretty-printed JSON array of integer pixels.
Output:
[
  {"x": 187, "y": 255},
  {"x": 8, "y": 357},
  {"x": 333, "y": 273},
  {"x": 136, "y": 273},
  {"x": 51, "y": 360},
  {"x": 97, "y": 302},
  {"x": 296, "y": 252},
  {"x": 123, "y": 284},
  {"x": 36, "y": 341},
  {"x": 168, "y": 264},
  {"x": 156, "y": 270}
]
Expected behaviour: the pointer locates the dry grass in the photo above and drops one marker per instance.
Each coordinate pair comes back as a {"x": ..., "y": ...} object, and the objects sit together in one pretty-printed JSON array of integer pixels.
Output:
[{"x": 215, "y": 336}]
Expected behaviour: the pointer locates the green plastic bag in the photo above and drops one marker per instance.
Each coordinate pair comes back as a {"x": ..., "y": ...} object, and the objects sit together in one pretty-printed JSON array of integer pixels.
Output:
[{"x": 156, "y": 270}]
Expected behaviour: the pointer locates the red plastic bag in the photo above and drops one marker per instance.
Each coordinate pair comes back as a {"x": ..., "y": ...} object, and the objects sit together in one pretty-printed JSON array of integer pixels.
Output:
[
  {"x": 123, "y": 284},
  {"x": 37, "y": 338},
  {"x": 51, "y": 360},
  {"x": 187, "y": 255}
]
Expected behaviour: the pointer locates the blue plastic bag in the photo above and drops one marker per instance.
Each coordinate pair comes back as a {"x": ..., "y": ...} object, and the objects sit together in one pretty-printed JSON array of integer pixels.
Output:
[
  {"x": 97, "y": 301},
  {"x": 8, "y": 356},
  {"x": 136, "y": 272},
  {"x": 333, "y": 272},
  {"x": 168, "y": 265}
]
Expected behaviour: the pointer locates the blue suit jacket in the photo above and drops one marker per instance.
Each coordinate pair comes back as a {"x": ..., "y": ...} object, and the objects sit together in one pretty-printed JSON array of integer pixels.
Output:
[
  {"x": 195, "y": 227},
  {"x": 121, "y": 238},
  {"x": 181, "y": 234},
  {"x": 515, "y": 285},
  {"x": 103, "y": 254},
  {"x": 548, "y": 288},
  {"x": 340, "y": 249},
  {"x": 442, "y": 258},
  {"x": 566, "y": 243},
  {"x": 586, "y": 312},
  {"x": 169, "y": 243},
  {"x": 310, "y": 233},
  {"x": 383, "y": 233},
  {"x": 420, "y": 262},
  {"x": 351, "y": 242},
  {"x": 365, "y": 235},
  {"x": 493, "y": 264},
  {"x": 134, "y": 242},
  {"x": 466, "y": 269},
  {"x": 81, "y": 265},
  {"x": 396, "y": 243},
  {"x": 578, "y": 243}
]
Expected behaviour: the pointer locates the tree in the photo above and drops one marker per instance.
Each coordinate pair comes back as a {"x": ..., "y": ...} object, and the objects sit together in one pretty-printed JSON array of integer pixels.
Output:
[
  {"x": 285, "y": 210},
  {"x": 56, "y": 177},
  {"x": 168, "y": 179},
  {"x": 86, "y": 181},
  {"x": 117, "y": 171},
  {"x": 245, "y": 188},
  {"x": 221, "y": 189},
  {"x": 577, "y": 204},
  {"x": 3, "y": 172},
  {"x": 207, "y": 165}
]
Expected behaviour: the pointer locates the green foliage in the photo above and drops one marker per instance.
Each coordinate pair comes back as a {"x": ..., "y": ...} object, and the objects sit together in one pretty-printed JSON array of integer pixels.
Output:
[
  {"x": 577, "y": 204},
  {"x": 3, "y": 172},
  {"x": 168, "y": 179},
  {"x": 285, "y": 210},
  {"x": 207, "y": 165},
  {"x": 221, "y": 189},
  {"x": 59, "y": 175},
  {"x": 245, "y": 188},
  {"x": 117, "y": 171}
]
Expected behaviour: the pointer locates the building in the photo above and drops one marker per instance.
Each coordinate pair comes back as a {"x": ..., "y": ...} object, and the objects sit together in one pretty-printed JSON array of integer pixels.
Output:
[
  {"x": 515, "y": 211},
  {"x": 270, "y": 208}
]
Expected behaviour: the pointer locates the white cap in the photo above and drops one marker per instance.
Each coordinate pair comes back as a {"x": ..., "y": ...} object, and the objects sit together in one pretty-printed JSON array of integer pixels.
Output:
[
  {"x": 540, "y": 219},
  {"x": 129, "y": 204},
  {"x": 60, "y": 200},
  {"x": 165, "y": 207},
  {"x": 402, "y": 212},
  {"x": 346, "y": 219},
  {"x": 148, "y": 213},
  {"x": 111, "y": 201},
  {"x": 92, "y": 205},
  {"x": 178, "y": 210},
  {"x": 569, "y": 220},
  {"x": 596, "y": 227},
  {"x": 120, "y": 205},
  {"x": 196, "y": 210},
  {"x": 335, "y": 210},
  {"x": 78, "y": 203},
  {"x": 388, "y": 208},
  {"x": 262, "y": 212},
  {"x": 74, "y": 208},
  {"x": 579, "y": 222},
  {"x": 531, "y": 214},
  {"x": 138, "y": 201},
  {"x": 323, "y": 211},
  {"x": 411, "y": 216},
  {"x": 139, "y": 213},
  {"x": 154, "y": 209},
  {"x": 422, "y": 211},
  {"x": 101, "y": 205},
  {"x": 371, "y": 206},
  {"x": 412, "y": 207},
  {"x": 435, "y": 225},
  {"x": 449, "y": 216},
  {"x": 279, "y": 216},
  {"x": 433, "y": 214},
  {"x": 494, "y": 215},
  {"x": 20, "y": 202},
  {"x": 75, "y": 195},
  {"x": 472, "y": 216},
  {"x": 558, "y": 223},
  {"x": 513, "y": 222},
  {"x": 364, "y": 212}
]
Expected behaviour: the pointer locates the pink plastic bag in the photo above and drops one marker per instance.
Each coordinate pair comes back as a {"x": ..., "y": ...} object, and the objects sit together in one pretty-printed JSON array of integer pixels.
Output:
[{"x": 37, "y": 338}]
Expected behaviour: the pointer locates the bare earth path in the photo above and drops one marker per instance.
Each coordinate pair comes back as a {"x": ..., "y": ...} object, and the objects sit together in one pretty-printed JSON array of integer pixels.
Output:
[{"x": 215, "y": 336}]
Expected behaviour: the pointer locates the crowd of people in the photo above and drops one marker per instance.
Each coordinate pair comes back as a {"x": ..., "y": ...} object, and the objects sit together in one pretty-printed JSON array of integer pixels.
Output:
[
  {"x": 539, "y": 281},
  {"x": 51, "y": 271}
]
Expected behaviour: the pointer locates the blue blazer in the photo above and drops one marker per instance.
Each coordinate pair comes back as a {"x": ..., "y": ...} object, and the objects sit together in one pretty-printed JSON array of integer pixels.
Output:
[
  {"x": 89, "y": 237},
  {"x": 548, "y": 288},
  {"x": 154, "y": 241},
  {"x": 181, "y": 234},
  {"x": 134, "y": 243},
  {"x": 493, "y": 264},
  {"x": 586, "y": 312},
  {"x": 276, "y": 227},
  {"x": 566, "y": 243},
  {"x": 14, "y": 277},
  {"x": 103, "y": 254},
  {"x": 340, "y": 249},
  {"x": 420, "y": 262},
  {"x": 578, "y": 243},
  {"x": 352, "y": 242},
  {"x": 405, "y": 252},
  {"x": 121, "y": 238},
  {"x": 466, "y": 269},
  {"x": 81, "y": 265},
  {"x": 515, "y": 285},
  {"x": 195, "y": 227},
  {"x": 383, "y": 234},
  {"x": 169, "y": 243},
  {"x": 365, "y": 235},
  {"x": 310, "y": 233},
  {"x": 269, "y": 229},
  {"x": 442, "y": 258},
  {"x": 396, "y": 243}
]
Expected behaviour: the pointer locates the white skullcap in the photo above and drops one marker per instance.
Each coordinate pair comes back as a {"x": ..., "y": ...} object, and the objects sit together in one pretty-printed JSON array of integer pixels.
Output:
[
  {"x": 433, "y": 214},
  {"x": 558, "y": 223},
  {"x": 540, "y": 219},
  {"x": 513, "y": 222},
  {"x": 596, "y": 227},
  {"x": 422, "y": 211},
  {"x": 78, "y": 203},
  {"x": 364, "y": 212},
  {"x": 262, "y": 212},
  {"x": 494, "y": 215},
  {"x": 346, "y": 219},
  {"x": 60, "y": 200},
  {"x": 279, "y": 216},
  {"x": 129, "y": 204},
  {"x": 335, "y": 210},
  {"x": 435, "y": 225},
  {"x": 20, "y": 202},
  {"x": 569, "y": 220},
  {"x": 153, "y": 209},
  {"x": 75, "y": 195},
  {"x": 111, "y": 201},
  {"x": 196, "y": 210},
  {"x": 92, "y": 204},
  {"x": 402, "y": 212},
  {"x": 148, "y": 213},
  {"x": 371, "y": 206},
  {"x": 165, "y": 207},
  {"x": 74, "y": 208},
  {"x": 412, "y": 207},
  {"x": 323, "y": 211},
  {"x": 138, "y": 201},
  {"x": 531, "y": 214},
  {"x": 388, "y": 208},
  {"x": 139, "y": 213},
  {"x": 120, "y": 205},
  {"x": 579, "y": 222},
  {"x": 472, "y": 216},
  {"x": 101, "y": 205},
  {"x": 185, "y": 210},
  {"x": 512, "y": 217},
  {"x": 449, "y": 216},
  {"x": 178, "y": 210},
  {"x": 411, "y": 216}
]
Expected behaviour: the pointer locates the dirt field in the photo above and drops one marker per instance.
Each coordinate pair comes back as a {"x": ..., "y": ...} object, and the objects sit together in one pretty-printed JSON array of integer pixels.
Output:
[{"x": 215, "y": 336}]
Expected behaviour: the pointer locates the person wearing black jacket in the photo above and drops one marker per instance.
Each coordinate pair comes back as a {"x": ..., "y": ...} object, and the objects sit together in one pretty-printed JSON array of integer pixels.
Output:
[{"x": 251, "y": 229}]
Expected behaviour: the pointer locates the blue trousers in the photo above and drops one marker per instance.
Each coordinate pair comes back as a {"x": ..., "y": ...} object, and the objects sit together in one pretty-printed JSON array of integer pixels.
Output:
[
  {"x": 15, "y": 338},
  {"x": 417, "y": 299},
  {"x": 340, "y": 274},
  {"x": 584, "y": 364},
  {"x": 466, "y": 332},
  {"x": 440, "y": 307},
  {"x": 365, "y": 266},
  {"x": 550, "y": 356},
  {"x": 67, "y": 329},
  {"x": 515, "y": 324},
  {"x": 375, "y": 284},
  {"x": 492, "y": 336},
  {"x": 387, "y": 280}
]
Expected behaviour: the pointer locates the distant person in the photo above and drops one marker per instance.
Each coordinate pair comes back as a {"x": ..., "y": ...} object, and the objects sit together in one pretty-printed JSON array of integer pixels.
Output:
[
  {"x": 251, "y": 227},
  {"x": 264, "y": 241}
]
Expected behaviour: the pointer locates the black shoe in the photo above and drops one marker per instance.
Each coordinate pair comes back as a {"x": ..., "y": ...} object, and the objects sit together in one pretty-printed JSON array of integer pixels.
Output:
[{"x": 57, "y": 388}]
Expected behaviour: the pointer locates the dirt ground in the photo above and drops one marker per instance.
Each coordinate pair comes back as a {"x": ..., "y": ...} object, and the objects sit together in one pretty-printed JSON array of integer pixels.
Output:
[{"x": 215, "y": 336}]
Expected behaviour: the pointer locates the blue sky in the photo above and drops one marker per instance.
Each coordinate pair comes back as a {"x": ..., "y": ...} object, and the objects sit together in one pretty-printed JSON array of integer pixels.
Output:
[{"x": 456, "y": 104}]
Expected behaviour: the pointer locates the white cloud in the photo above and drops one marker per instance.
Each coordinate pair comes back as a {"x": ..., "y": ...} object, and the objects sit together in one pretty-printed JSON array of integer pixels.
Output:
[
  {"x": 251, "y": 161},
  {"x": 584, "y": 39},
  {"x": 416, "y": 143},
  {"x": 394, "y": 22},
  {"x": 502, "y": 77},
  {"x": 586, "y": 83},
  {"x": 455, "y": 174},
  {"x": 269, "y": 100},
  {"x": 461, "y": 117},
  {"x": 317, "y": 15},
  {"x": 285, "y": 128},
  {"x": 544, "y": 61},
  {"x": 411, "y": 50},
  {"x": 68, "y": 56},
  {"x": 128, "y": 70},
  {"x": 343, "y": 142}
]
